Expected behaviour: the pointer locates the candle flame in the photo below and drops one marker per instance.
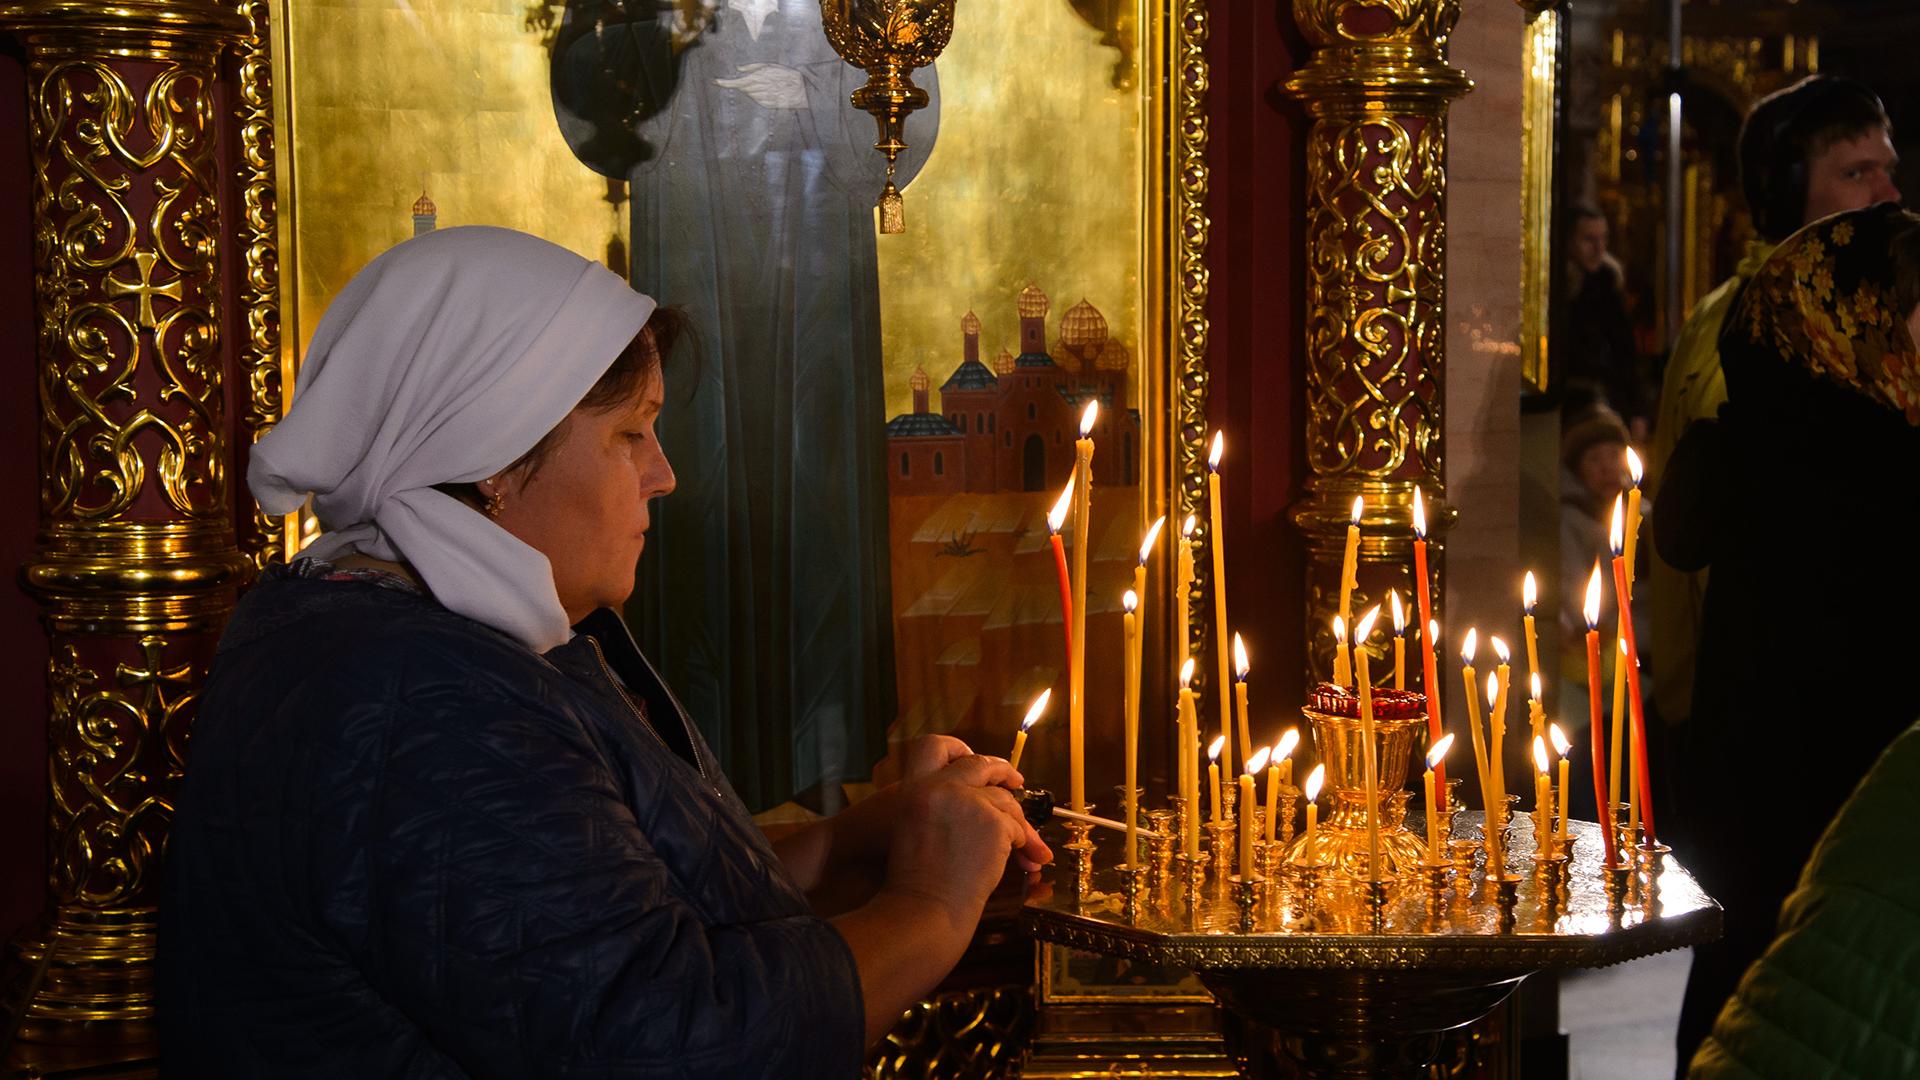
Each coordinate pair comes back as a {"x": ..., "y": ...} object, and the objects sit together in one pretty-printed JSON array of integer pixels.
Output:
[
  {"x": 1153, "y": 534},
  {"x": 1057, "y": 517},
  {"x": 1283, "y": 749},
  {"x": 1419, "y": 513},
  {"x": 1592, "y": 609},
  {"x": 1259, "y": 760},
  {"x": 1493, "y": 689},
  {"x": 1186, "y": 673},
  {"x": 1359, "y": 508},
  {"x": 1218, "y": 744},
  {"x": 1617, "y": 530},
  {"x": 1187, "y": 526},
  {"x": 1339, "y": 628},
  {"x": 1439, "y": 752},
  {"x": 1399, "y": 613},
  {"x": 1037, "y": 709},
  {"x": 1634, "y": 468},
  {"x": 1214, "y": 453},
  {"x": 1561, "y": 744},
  {"x": 1529, "y": 593},
  {"x": 1540, "y": 753},
  {"x": 1470, "y": 645},
  {"x": 1087, "y": 417},
  {"x": 1534, "y": 685},
  {"x": 1622, "y": 643},
  {"x": 1500, "y": 649},
  {"x": 1240, "y": 665},
  {"x": 1314, "y": 781},
  {"x": 1130, "y": 603},
  {"x": 1364, "y": 629},
  {"x": 1433, "y": 630}
]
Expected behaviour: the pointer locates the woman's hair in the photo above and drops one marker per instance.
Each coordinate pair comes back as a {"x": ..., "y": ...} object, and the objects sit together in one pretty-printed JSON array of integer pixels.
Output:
[{"x": 637, "y": 364}]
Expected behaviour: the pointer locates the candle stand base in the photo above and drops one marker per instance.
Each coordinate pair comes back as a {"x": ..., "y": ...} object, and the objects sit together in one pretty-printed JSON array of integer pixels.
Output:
[
  {"x": 1079, "y": 851},
  {"x": 1436, "y": 878},
  {"x": 1221, "y": 846},
  {"x": 1133, "y": 881},
  {"x": 1286, "y": 810},
  {"x": 1461, "y": 853},
  {"x": 1177, "y": 805},
  {"x": 1160, "y": 849},
  {"x": 1246, "y": 897},
  {"x": 1364, "y": 981}
]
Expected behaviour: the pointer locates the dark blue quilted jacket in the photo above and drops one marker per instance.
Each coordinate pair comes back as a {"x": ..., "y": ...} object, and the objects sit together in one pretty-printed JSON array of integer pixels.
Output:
[{"x": 408, "y": 847}]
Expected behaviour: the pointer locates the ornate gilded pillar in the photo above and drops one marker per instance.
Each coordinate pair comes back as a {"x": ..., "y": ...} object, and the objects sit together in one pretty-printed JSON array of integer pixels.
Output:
[
  {"x": 1377, "y": 89},
  {"x": 136, "y": 566}
]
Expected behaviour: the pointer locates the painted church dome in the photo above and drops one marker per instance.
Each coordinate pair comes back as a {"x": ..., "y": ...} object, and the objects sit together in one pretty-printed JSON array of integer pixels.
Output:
[
  {"x": 1083, "y": 329},
  {"x": 1033, "y": 303}
]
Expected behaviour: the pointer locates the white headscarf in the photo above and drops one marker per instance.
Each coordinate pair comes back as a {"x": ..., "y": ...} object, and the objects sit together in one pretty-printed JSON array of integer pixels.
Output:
[{"x": 443, "y": 361}]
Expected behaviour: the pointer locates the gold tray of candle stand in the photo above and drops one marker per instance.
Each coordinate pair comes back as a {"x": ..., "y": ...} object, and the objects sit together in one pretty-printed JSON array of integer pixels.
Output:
[{"x": 1337, "y": 987}]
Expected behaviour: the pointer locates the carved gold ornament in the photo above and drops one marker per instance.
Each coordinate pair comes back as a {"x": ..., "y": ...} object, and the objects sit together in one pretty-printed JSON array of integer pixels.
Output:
[{"x": 889, "y": 39}]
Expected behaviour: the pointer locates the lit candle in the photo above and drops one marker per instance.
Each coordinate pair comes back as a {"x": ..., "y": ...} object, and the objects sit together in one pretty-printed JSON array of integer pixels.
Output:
[
  {"x": 1542, "y": 798},
  {"x": 1216, "y": 543},
  {"x": 1190, "y": 772},
  {"x": 1468, "y": 646},
  {"x": 1183, "y": 585},
  {"x": 1240, "y": 670},
  {"x": 1595, "y": 719},
  {"x": 1077, "y": 665},
  {"x": 1249, "y": 821},
  {"x": 1529, "y": 596},
  {"x": 1034, "y": 713},
  {"x": 1641, "y": 781},
  {"x": 1057, "y": 519},
  {"x": 1350, "y": 562},
  {"x": 1140, "y": 577},
  {"x": 1434, "y": 757},
  {"x": 1342, "y": 654},
  {"x": 1562, "y": 746},
  {"x": 1315, "y": 779},
  {"x": 1497, "y": 732},
  {"x": 1365, "y": 683},
  {"x": 1130, "y": 627},
  {"x": 1399, "y": 640},
  {"x": 1279, "y": 775},
  {"x": 1430, "y": 639},
  {"x": 1214, "y": 749}
]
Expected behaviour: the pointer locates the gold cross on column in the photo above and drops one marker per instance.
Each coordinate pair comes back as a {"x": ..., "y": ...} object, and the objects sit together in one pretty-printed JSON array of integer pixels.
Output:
[{"x": 145, "y": 289}]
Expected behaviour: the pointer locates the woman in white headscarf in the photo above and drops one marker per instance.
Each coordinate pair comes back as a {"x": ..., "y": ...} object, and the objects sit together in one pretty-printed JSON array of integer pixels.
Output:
[{"x": 441, "y": 817}]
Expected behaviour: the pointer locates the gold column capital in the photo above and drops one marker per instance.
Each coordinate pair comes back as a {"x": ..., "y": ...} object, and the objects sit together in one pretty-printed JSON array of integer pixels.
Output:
[{"x": 142, "y": 29}]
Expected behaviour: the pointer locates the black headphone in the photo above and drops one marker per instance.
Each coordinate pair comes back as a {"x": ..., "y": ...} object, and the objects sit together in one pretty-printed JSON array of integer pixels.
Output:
[{"x": 1774, "y": 171}]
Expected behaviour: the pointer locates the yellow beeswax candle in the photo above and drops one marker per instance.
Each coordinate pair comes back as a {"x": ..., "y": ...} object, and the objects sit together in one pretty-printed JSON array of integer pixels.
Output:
[
  {"x": 1213, "y": 773},
  {"x": 1529, "y": 596},
  {"x": 1130, "y": 631},
  {"x": 1436, "y": 846},
  {"x": 1183, "y": 586},
  {"x": 1368, "y": 747},
  {"x": 1562, "y": 746},
  {"x": 1342, "y": 654},
  {"x": 1542, "y": 798},
  {"x": 1399, "y": 640},
  {"x": 1034, "y": 712},
  {"x": 1350, "y": 561},
  {"x": 1240, "y": 670},
  {"x": 1216, "y": 544},
  {"x": 1315, "y": 780},
  {"x": 1189, "y": 737}
]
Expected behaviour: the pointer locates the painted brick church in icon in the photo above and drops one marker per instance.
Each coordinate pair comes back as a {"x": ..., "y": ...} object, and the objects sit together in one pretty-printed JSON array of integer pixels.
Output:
[{"x": 1012, "y": 427}]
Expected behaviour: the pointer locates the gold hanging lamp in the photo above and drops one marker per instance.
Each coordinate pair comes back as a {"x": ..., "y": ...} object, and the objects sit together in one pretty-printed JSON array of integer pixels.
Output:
[{"x": 888, "y": 39}]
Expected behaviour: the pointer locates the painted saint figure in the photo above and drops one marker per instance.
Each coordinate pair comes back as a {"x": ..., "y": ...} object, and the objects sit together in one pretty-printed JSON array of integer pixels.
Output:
[{"x": 764, "y": 592}]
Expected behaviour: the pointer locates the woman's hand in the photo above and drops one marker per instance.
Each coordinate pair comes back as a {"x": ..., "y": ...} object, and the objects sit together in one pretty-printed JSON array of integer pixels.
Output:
[
  {"x": 928, "y": 754},
  {"x": 952, "y": 833}
]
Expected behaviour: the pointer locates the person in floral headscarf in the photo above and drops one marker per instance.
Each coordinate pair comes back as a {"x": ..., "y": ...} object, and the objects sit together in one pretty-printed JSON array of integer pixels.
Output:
[{"x": 1804, "y": 498}]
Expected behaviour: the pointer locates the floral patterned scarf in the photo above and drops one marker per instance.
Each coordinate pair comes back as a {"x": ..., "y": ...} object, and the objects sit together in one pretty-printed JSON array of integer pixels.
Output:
[{"x": 1827, "y": 301}]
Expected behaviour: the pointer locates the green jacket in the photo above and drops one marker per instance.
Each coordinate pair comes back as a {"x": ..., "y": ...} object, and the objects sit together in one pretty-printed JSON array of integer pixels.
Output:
[{"x": 1837, "y": 994}]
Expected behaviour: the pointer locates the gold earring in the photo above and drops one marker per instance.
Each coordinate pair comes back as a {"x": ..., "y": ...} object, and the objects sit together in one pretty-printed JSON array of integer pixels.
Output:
[{"x": 496, "y": 503}]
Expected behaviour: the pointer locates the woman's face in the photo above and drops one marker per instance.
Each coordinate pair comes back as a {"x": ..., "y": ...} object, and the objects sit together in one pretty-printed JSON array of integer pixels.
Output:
[
  {"x": 585, "y": 506},
  {"x": 1600, "y": 468}
]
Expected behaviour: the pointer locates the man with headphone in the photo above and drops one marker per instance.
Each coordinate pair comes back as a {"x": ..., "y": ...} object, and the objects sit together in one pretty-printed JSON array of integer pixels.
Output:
[{"x": 1819, "y": 147}]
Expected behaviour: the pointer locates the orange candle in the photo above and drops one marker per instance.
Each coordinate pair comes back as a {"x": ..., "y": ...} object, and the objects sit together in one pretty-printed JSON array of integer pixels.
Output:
[
  {"x": 1056, "y": 520},
  {"x": 1429, "y": 636}
]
